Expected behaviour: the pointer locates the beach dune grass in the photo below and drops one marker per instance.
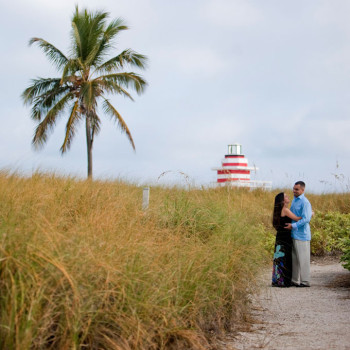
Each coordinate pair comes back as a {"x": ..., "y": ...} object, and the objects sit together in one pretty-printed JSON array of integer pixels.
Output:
[{"x": 82, "y": 266}]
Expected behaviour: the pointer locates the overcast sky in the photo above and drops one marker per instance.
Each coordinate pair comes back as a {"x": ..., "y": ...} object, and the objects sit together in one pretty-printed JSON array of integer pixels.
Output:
[{"x": 271, "y": 75}]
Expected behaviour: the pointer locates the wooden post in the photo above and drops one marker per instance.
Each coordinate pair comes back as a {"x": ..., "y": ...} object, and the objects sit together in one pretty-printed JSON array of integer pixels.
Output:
[{"x": 145, "y": 198}]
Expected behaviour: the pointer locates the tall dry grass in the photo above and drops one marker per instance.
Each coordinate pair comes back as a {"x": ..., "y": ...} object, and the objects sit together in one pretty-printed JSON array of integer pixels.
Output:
[{"x": 83, "y": 267}]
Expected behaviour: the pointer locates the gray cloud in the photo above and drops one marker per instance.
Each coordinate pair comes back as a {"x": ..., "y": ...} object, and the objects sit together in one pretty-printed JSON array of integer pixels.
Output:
[{"x": 272, "y": 75}]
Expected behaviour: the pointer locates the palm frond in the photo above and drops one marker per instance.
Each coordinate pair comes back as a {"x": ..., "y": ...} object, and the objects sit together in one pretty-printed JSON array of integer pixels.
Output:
[
  {"x": 76, "y": 41},
  {"x": 87, "y": 31},
  {"x": 115, "y": 115},
  {"x": 40, "y": 135},
  {"x": 73, "y": 120},
  {"x": 96, "y": 26},
  {"x": 42, "y": 95},
  {"x": 43, "y": 103},
  {"x": 38, "y": 87},
  {"x": 112, "y": 87},
  {"x": 127, "y": 79},
  {"x": 114, "y": 28},
  {"x": 53, "y": 54},
  {"x": 126, "y": 58},
  {"x": 105, "y": 42}
]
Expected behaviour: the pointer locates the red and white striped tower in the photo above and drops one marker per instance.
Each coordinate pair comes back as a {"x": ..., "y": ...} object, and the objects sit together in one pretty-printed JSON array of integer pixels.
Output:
[{"x": 234, "y": 169}]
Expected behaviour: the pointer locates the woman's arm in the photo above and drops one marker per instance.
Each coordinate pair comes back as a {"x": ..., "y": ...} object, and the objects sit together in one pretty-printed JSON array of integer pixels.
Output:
[{"x": 287, "y": 212}]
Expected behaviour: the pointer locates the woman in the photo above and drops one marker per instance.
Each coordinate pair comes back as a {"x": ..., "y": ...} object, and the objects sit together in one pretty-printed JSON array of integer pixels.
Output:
[{"x": 282, "y": 258}]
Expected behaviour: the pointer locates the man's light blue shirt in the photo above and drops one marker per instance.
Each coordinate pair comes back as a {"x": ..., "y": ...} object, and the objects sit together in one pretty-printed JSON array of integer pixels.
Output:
[{"x": 301, "y": 229}]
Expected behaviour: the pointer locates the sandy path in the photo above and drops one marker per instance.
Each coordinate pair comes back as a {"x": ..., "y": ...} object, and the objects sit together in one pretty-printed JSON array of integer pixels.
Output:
[{"x": 301, "y": 318}]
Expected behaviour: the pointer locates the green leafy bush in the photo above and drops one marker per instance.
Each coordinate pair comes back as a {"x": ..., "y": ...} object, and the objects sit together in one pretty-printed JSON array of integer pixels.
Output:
[
  {"x": 345, "y": 246},
  {"x": 328, "y": 231}
]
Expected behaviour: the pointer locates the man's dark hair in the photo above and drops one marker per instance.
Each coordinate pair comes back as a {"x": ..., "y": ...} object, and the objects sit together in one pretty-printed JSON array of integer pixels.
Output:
[{"x": 301, "y": 183}]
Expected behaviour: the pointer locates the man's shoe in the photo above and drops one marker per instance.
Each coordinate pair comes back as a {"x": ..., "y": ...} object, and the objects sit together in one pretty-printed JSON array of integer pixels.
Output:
[
  {"x": 303, "y": 285},
  {"x": 294, "y": 284}
]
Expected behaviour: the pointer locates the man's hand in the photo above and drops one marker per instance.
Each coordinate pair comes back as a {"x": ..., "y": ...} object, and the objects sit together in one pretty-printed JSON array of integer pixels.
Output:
[{"x": 288, "y": 226}]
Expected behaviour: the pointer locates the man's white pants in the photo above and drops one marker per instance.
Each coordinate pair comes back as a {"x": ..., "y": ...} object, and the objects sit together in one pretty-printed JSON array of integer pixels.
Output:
[{"x": 301, "y": 262}]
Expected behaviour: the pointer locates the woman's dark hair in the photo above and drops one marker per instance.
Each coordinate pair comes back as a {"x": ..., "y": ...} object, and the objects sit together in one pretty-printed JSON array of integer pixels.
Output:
[{"x": 279, "y": 202}]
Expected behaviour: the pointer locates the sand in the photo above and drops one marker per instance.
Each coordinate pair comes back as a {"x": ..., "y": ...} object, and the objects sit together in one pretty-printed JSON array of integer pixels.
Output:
[{"x": 300, "y": 318}]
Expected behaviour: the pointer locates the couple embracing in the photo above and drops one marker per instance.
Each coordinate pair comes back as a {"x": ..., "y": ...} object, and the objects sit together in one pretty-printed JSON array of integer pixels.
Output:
[{"x": 291, "y": 261}]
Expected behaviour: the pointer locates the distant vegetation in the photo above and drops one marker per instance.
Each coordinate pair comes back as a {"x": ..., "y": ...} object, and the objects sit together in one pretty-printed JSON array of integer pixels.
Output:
[{"x": 82, "y": 266}]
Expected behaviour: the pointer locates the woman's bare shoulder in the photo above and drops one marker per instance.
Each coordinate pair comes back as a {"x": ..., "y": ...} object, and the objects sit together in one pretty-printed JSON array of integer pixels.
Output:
[{"x": 284, "y": 212}]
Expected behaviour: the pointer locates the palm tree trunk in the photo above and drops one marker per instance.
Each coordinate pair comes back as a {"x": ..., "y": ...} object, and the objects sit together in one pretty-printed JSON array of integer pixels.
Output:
[{"x": 89, "y": 147}]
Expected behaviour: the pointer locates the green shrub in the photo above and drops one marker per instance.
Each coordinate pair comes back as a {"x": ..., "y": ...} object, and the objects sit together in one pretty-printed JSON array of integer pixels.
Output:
[
  {"x": 328, "y": 229},
  {"x": 345, "y": 247}
]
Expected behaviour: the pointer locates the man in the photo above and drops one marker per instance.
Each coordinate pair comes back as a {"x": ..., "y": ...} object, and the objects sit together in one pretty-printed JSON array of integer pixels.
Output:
[{"x": 301, "y": 235}]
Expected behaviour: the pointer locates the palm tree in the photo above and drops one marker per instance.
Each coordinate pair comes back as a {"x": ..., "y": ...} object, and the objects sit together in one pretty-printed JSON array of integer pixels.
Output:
[{"x": 86, "y": 78}]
